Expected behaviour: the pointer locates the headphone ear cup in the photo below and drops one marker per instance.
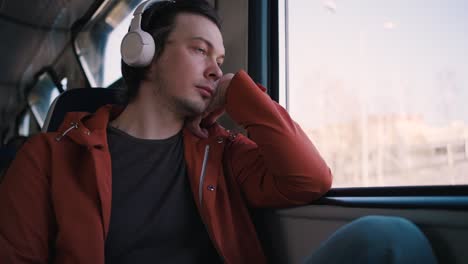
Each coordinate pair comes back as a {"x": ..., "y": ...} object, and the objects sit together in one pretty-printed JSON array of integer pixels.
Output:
[{"x": 137, "y": 48}]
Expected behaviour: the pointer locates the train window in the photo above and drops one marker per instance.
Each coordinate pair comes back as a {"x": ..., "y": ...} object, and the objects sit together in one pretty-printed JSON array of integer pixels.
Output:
[
  {"x": 98, "y": 45},
  {"x": 380, "y": 87},
  {"x": 41, "y": 97}
]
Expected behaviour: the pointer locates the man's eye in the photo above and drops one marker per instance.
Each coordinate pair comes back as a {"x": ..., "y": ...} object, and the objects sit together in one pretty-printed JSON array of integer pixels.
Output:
[{"x": 201, "y": 50}]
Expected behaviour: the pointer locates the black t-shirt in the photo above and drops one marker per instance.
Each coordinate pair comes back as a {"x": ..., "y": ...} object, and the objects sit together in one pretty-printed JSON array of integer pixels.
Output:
[{"x": 154, "y": 218}]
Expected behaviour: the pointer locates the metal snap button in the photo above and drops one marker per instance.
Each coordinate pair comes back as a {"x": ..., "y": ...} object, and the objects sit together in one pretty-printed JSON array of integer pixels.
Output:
[
  {"x": 211, "y": 187},
  {"x": 232, "y": 136}
]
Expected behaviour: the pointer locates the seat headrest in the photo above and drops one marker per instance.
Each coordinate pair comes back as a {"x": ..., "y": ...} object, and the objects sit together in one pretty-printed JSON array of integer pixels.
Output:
[{"x": 79, "y": 100}]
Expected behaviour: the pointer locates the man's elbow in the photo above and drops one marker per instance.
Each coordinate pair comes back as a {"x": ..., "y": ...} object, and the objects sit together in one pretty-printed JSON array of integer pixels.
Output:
[
  {"x": 306, "y": 189},
  {"x": 326, "y": 180},
  {"x": 319, "y": 185}
]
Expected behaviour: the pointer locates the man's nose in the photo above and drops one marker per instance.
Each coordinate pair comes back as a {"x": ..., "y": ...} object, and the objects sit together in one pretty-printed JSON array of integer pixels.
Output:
[{"x": 214, "y": 71}]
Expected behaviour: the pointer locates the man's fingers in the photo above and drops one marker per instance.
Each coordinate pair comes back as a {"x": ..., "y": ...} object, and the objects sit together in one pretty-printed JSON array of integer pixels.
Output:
[
  {"x": 200, "y": 132},
  {"x": 212, "y": 117},
  {"x": 194, "y": 126}
]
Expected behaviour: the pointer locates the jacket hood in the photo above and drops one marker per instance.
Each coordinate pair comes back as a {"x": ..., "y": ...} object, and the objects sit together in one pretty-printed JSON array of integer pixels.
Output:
[{"x": 88, "y": 129}]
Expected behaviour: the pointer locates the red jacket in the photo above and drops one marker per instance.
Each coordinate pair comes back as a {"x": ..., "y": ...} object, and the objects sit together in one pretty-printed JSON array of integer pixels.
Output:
[{"x": 55, "y": 199}]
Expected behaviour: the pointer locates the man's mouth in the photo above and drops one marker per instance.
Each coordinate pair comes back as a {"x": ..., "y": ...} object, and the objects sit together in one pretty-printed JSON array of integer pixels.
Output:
[{"x": 205, "y": 90}]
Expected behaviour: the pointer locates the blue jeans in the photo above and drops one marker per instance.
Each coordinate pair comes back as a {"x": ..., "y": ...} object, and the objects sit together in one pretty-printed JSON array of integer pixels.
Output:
[{"x": 375, "y": 239}]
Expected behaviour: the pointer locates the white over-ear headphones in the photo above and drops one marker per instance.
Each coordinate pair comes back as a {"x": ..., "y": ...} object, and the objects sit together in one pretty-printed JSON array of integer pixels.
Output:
[{"x": 137, "y": 48}]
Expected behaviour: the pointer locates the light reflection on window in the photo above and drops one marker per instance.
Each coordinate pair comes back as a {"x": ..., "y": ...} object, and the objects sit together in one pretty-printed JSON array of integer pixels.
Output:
[
  {"x": 64, "y": 83},
  {"x": 25, "y": 123},
  {"x": 112, "y": 55},
  {"x": 41, "y": 97}
]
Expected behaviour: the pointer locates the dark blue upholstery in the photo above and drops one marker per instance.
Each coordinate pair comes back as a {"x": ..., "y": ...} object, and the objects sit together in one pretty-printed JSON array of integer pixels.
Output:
[
  {"x": 79, "y": 100},
  {"x": 8, "y": 152}
]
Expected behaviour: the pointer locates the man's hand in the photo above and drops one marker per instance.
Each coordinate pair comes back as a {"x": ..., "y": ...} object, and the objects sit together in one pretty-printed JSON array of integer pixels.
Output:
[
  {"x": 219, "y": 98},
  {"x": 198, "y": 124}
]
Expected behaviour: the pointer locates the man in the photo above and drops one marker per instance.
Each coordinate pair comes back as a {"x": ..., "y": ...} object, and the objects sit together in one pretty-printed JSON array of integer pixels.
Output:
[{"x": 133, "y": 185}]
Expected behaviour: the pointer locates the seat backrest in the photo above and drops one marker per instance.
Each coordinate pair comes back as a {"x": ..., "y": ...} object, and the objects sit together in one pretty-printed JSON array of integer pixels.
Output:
[{"x": 79, "y": 100}]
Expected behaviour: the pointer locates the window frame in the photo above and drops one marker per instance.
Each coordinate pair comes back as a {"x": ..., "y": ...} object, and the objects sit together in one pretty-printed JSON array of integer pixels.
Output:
[
  {"x": 94, "y": 15},
  {"x": 263, "y": 53}
]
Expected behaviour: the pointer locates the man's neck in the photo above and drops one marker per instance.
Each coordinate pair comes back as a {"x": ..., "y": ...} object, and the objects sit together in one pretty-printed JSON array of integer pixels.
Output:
[{"x": 147, "y": 118}]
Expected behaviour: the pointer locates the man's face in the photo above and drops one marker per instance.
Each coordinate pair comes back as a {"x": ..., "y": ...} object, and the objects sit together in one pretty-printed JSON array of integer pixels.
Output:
[{"x": 186, "y": 73}]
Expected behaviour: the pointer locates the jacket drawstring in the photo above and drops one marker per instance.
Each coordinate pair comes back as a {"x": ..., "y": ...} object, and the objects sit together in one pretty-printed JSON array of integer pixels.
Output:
[
  {"x": 74, "y": 125},
  {"x": 202, "y": 173},
  {"x": 200, "y": 196}
]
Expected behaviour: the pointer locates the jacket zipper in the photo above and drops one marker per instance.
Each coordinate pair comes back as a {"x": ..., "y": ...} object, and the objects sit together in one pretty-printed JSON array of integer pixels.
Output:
[
  {"x": 200, "y": 199},
  {"x": 74, "y": 125}
]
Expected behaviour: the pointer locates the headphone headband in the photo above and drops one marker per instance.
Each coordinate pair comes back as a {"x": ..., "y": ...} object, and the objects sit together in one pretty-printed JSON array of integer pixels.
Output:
[{"x": 138, "y": 13}]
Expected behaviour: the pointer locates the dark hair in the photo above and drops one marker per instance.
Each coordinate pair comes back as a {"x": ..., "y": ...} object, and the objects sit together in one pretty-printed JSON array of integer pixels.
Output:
[{"x": 158, "y": 20}]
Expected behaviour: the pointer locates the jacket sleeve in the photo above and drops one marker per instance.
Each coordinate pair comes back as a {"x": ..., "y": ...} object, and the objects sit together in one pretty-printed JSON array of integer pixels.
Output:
[
  {"x": 25, "y": 204},
  {"x": 277, "y": 165}
]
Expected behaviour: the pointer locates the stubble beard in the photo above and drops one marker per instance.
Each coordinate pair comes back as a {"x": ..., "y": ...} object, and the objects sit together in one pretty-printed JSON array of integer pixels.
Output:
[
  {"x": 184, "y": 107},
  {"x": 188, "y": 108}
]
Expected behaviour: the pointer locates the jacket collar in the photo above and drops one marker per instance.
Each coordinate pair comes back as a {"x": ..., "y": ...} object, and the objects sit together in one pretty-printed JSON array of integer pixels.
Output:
[{"x": 90, "y": 129}]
